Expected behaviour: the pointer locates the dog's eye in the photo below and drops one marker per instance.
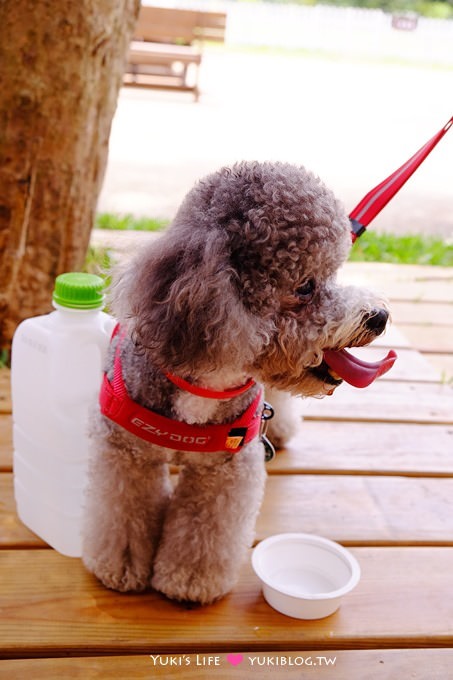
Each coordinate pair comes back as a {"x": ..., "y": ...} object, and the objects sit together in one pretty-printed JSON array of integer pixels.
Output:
[{"x": 306, "y": 291}]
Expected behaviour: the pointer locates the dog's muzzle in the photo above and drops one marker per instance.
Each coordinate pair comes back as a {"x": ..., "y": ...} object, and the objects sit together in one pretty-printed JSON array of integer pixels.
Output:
[{"x": 339, "y": 364}]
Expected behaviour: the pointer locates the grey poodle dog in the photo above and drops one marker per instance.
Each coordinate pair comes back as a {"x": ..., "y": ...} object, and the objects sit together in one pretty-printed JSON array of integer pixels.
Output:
[{"x": 240, "y": 292}]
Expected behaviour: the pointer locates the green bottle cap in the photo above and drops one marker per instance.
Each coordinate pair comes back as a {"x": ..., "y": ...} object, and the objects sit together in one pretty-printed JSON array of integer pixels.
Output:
[{"x": 79, "y": 291}]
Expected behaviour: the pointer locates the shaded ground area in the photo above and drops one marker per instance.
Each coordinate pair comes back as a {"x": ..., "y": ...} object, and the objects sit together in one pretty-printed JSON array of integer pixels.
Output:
[{"x": 352, "y": 123}]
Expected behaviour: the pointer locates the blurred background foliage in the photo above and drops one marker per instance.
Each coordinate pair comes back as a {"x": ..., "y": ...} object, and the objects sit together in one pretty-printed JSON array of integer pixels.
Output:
[{"x": 437, "y": 9}]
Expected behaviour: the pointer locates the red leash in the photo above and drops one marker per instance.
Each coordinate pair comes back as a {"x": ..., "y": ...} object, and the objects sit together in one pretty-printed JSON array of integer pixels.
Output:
[{"x": 376, "y": 199}]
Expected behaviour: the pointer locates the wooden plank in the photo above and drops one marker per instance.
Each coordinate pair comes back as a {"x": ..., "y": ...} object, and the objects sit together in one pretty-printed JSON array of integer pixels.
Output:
[
  {"x": 431, "y": 292},
  {"x": 355, "y": 510},
  {"x": 12, "y": 532},
  {"x": 443, "y": 363},
  {"x": 323, "y": 447},
  {"x": 155, "y": 53},
  {"x": 430, "y": 314},
  {"x": 161, "y": 83},
  {"x": 402, "y": 282},
  {"x": 5, "y": 392},
  {"x": 425, "y": 338},
  {"x": 49, "y": 605},
  {"x": 169, "y": 25},
  {"x": 359, "y": 510},
  {"x": 166, "y": 25},
  {"x": 6, "y": 442},
  {"x": 385, "y": 401},
  {"x": 356, "y": 664}
]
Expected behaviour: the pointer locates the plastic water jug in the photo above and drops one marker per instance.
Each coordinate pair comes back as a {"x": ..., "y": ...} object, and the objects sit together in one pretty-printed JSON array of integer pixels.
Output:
[{"x": 56, "y": 372}]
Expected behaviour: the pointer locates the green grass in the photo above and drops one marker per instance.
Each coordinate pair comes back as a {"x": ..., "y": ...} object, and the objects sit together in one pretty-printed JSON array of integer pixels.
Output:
[
  {"x": 128, "y": 222},
  {"x": 405, "y": 249},
  {"x": 370, "y": 247},
  {"x": 326, "y": 54},
  {"x": 99, "y": 261}
]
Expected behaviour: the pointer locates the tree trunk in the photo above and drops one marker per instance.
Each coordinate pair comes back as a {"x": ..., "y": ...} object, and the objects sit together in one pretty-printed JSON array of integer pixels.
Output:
[{"x": 61, "y": 66}]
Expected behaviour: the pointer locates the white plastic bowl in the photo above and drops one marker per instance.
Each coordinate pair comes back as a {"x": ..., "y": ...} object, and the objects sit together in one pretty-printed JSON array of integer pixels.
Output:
[{"x": 303, "y": 575}]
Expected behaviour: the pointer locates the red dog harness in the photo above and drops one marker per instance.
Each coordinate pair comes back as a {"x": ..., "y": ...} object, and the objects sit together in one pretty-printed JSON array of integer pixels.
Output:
[{"x": 117, "y": 405}]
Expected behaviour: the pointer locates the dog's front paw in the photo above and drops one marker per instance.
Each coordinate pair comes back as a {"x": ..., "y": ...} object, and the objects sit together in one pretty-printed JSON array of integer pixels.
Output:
[
  {"x": 121, "y": 573},
  {"x": 192, "y": 583}
]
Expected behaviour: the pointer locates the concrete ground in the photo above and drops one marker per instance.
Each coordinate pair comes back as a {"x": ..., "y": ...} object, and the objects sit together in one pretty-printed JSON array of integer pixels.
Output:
[{"x": 352, "y": 123}]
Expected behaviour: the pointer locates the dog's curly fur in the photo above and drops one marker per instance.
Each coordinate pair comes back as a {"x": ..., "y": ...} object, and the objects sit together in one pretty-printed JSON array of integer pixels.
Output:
[{"x": 242, "y": 284}]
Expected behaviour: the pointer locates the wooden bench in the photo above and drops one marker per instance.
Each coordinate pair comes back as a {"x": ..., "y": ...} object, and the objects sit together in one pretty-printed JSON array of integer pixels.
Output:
[
  {"x": 166, "y": 49},
  {"x": 370, "y": 468}
]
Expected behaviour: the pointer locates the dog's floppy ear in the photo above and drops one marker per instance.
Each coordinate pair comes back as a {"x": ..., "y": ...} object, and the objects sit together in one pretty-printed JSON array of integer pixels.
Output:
[{"x": 180, "y": 302}]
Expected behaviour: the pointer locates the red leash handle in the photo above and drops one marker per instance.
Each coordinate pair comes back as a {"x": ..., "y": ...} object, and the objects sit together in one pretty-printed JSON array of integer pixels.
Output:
[{"x": 376, "y": 199}]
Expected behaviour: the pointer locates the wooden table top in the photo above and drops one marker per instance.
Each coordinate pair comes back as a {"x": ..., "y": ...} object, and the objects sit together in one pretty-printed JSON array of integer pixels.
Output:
[{"x": 372, "y": 469}]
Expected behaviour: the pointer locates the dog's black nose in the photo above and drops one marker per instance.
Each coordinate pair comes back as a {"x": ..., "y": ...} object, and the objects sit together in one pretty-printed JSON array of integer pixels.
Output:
[{"x": 377, "y": 320}]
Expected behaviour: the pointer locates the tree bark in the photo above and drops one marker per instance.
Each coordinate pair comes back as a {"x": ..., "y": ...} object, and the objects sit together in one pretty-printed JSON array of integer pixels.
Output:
[{"x": 61, "y": 66}]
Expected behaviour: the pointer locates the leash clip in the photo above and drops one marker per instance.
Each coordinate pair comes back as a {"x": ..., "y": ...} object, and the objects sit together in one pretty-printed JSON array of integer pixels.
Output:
[{"x": 266, "y": 415}]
